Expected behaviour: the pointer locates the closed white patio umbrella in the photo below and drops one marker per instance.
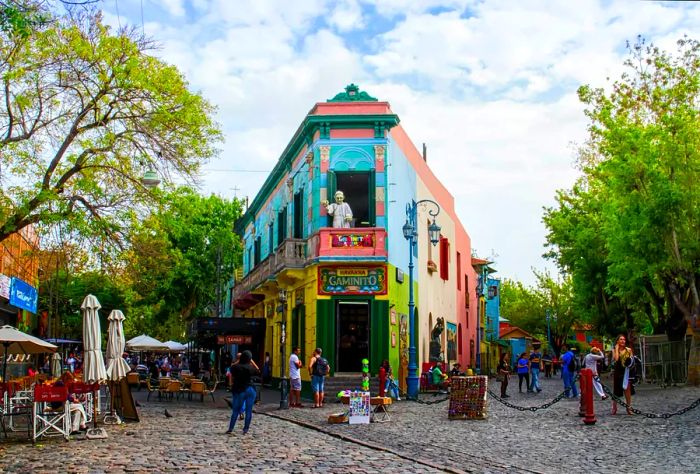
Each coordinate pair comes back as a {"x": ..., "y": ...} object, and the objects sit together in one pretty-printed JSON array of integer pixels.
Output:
[
  {"x": 116, "y": 365},
  {"x": 93, "y": 362},
  {"x": 56, "y": 365}
]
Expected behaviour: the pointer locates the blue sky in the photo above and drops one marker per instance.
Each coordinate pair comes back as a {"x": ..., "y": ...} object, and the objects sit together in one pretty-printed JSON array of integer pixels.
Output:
[{"x": 489, "y": 86}]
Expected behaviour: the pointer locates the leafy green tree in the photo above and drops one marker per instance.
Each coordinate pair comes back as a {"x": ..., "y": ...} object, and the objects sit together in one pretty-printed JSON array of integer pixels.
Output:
[
  {"x": 638, "y": 194},
  {"x": 528, "y": 308},
  {"x": 86, "y": 112},
  {"x": 180, "y": 258}
]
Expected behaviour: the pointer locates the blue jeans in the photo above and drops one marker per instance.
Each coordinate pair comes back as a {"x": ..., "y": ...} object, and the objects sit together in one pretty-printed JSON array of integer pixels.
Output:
[
  {"x": 392, "y": 389},
  {"x": 569, "y": 384},
  {"x": 246, "y": 397},
  {"x": 535, "y": 381}
]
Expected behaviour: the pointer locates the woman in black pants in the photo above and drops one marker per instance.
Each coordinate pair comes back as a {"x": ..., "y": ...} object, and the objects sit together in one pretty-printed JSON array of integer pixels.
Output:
[{"x": 503, "y": 371}]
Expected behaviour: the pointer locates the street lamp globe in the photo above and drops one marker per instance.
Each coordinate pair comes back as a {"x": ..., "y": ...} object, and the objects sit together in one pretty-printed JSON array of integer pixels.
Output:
[
  {"x": 408, "y": 230},
  {"x": 434, "y": 232}
]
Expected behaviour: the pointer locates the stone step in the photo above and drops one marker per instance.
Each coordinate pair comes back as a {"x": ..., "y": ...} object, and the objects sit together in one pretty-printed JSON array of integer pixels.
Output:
[{"x": 335, "y": 384}]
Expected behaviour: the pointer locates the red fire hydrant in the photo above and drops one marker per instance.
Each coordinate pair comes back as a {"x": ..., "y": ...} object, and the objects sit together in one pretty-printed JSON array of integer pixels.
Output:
[
  {"x": 382, "y": 380},
  {"x": 587, "y": 397}
]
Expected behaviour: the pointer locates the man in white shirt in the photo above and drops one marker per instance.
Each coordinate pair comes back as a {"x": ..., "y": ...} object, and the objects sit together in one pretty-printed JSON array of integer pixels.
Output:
[{"x": 295, "y": 378}]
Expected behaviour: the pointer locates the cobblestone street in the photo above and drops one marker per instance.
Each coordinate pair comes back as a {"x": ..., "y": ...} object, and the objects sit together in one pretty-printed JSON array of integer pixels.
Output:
[{"x": 419, "y": 438}]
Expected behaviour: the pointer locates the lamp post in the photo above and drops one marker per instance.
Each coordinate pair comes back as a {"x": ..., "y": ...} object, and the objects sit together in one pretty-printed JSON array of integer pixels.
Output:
[
  {"x": 410, "y": 233},
  {"x": 549, "y": 334},
  {"x": 284, "y": 388}
]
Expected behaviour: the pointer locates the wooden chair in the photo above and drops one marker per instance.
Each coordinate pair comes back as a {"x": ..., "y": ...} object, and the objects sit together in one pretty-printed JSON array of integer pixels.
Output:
[
  {"x": 197, "y": 387},
  {"x": 132, "y": 378},
  {"x": 150, "y": 388},
  {"x": 173, "y": 389},
  {"x": 210, "y": 390}
]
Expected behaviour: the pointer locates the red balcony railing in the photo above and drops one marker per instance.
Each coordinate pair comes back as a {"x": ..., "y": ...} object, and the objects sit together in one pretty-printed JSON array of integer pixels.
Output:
[{"x": 352, "y": 242}]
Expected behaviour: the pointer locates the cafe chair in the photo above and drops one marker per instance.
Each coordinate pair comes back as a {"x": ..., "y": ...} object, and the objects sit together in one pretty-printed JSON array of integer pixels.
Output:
[{"x": 51, "y": 413}]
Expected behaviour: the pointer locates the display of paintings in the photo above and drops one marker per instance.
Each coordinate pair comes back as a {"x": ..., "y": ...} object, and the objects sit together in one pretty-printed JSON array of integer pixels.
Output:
[
  {"x": 451, "y": 341},
  {"x": 393, "y": 338},
  {"x": 359, "y": 408}
]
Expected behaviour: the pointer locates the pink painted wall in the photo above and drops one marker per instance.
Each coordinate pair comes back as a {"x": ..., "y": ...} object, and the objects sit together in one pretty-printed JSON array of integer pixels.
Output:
[
  {"x": 352, "y": 133},
  {"x": 350, "y": 108}
]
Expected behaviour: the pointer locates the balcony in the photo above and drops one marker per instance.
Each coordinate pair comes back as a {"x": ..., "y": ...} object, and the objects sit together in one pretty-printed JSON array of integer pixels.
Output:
[
  {"x": 352, "y": 242},
  {"x": 291, "y": 254}
]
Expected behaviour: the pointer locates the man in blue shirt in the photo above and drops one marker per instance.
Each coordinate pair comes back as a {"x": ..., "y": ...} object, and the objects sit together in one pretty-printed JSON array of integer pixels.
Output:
[
  {"x": 535, "y": 367},
  {"x": 566, "y": 374}
]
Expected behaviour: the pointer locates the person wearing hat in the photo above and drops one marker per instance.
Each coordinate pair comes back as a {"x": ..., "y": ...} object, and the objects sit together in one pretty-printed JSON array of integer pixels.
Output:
[{"x": 456, "y": 370}]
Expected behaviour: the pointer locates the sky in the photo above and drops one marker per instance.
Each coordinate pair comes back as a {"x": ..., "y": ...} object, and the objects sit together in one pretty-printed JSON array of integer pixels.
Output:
[{"x": 488, "y": 86}]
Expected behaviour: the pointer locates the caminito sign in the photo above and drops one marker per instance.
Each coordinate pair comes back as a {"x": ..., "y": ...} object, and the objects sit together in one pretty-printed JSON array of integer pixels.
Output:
[{"x": 369, "y": 280}]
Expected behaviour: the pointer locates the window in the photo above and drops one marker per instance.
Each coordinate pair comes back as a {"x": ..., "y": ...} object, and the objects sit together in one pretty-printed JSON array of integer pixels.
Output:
[
  {"x": 256, "y": 252},
  {"x": 493, "y": 291},
  {"x": 466, "y": 293},
  {"x": 359, "y": 191},
  {"x": 281, "y": 226},
  {"x": 298, "y": 230},
  {"x": 444, "y": 258},
  {"x": 271, "y": 238},
  {"x": 459, "y": 271}
]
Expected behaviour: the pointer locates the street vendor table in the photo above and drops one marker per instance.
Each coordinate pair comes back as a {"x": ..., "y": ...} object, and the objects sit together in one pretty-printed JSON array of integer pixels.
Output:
[{"x": 380, "y": 413}]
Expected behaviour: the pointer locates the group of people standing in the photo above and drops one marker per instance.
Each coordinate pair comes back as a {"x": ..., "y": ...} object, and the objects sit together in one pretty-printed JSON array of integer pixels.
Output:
[
  {"x": 529, "y": 367},
  {"x": 318, "y": 370}
]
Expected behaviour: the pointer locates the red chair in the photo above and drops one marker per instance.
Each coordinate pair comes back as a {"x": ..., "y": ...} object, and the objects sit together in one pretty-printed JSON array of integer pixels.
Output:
[{"x": 47, "y": 419}]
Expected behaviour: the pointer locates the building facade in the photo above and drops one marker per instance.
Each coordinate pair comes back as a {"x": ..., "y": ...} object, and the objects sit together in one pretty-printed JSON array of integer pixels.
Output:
[
  {"x": 345, "y": 289},
  {"x": 19, "y": 279}
]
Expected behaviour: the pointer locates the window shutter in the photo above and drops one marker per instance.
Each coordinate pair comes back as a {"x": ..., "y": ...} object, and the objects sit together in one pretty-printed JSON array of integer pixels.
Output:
[{"x": 444, "y": 258}]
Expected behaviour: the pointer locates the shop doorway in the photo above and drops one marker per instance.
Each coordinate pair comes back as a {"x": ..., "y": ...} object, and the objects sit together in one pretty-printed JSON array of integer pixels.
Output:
[{"x": 353, "y": 335}]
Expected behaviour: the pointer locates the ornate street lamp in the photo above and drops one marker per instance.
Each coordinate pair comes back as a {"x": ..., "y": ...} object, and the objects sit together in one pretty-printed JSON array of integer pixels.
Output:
[
  {"x": 284, "y": 388},
  {"x": 150, "y": 179},
  {"x": 410, "y": 233}
]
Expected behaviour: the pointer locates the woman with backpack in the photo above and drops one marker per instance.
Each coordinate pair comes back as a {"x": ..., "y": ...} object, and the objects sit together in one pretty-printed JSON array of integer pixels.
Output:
[
  {"x": 318, "y": 369},
  {"x": 622, "y": 361}
]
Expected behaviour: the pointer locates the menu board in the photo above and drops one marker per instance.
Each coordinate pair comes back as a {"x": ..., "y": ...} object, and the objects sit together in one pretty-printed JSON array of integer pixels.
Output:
[
  {"x": 359, "y": 410},
  {"x": 468, "y": 398}
]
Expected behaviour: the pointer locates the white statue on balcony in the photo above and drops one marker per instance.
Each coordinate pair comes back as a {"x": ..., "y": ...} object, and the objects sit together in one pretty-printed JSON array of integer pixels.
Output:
[{"x": 340, "y": 210}]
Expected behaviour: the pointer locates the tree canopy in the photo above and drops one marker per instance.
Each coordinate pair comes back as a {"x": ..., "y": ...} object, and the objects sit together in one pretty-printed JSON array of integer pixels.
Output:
[
  {"x": 85, "y": 113},
  {"x": 628, "y": 232}
]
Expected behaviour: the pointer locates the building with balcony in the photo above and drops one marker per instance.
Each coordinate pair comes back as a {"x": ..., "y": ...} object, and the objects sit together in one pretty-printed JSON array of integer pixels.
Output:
[
  {"x": 346, "y": 289},
  {"x": 19, "y": 279}
]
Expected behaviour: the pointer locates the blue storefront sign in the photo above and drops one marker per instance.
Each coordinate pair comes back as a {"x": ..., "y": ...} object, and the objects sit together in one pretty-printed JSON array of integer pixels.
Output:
[{"x": 23, "y": 295}]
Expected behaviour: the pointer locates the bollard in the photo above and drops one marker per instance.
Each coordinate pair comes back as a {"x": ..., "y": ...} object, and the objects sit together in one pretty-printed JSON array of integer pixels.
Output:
[
  {"x": 582, "y": 395},
  {"x": 587, "y": 380}
]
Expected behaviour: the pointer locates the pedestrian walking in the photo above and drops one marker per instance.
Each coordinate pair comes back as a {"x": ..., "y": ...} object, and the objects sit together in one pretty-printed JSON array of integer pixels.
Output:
[
  {"x": 591, "y": 362},
  {"x": 267, "y": 370},
  {"x": 547, "y": 362},
  {"x": 295, "y": 378},
  {"x": 568, "y": 371},
  {"x": 318, "y": 369},
  {"x": 535, "y": 367},
  {"x": 523, "y": 372},
  {"x": 622, "y": 360},
  {"x": 503, "y": 373},
  {"x": 243, "y": 390}
]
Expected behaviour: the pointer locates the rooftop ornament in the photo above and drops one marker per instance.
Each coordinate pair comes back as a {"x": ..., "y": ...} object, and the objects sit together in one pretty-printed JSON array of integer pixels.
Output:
[{"x": 352, "y": 94}]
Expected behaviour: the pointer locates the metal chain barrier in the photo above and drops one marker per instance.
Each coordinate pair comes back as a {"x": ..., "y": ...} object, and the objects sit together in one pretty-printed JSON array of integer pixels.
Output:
[
  {"x": 636, "y": 411},
  {"x": 556, "y": 399}
]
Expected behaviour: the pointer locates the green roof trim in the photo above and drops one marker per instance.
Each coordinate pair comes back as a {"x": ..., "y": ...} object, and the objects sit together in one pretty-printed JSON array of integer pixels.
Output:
[
  {"x": 352, "y": 94},
  {"x": 304, "y": 136}
]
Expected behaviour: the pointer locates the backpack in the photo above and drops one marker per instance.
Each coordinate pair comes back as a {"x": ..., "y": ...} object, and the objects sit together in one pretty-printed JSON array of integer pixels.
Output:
[{"x": 321, "y": 366}]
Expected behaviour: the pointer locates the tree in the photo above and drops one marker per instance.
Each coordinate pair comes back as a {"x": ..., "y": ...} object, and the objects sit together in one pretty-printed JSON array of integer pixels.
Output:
[
  {"x": 527, "y": 307},
  {"x": 85, "y": 113},
  {"x": 180, "y": 256},
  {"x": 638, "y": 203}
]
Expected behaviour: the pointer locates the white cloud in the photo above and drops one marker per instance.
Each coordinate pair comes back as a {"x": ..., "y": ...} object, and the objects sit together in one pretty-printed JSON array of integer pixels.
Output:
[{"x": 489, "y": 86}]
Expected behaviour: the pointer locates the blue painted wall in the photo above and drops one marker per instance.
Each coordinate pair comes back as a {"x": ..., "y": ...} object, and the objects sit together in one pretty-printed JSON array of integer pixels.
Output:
[{"x": 493, "y": 307}]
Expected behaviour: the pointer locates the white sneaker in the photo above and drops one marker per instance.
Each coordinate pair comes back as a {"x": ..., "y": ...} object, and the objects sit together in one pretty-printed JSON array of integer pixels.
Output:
[{"x": 398, "y": 399}]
